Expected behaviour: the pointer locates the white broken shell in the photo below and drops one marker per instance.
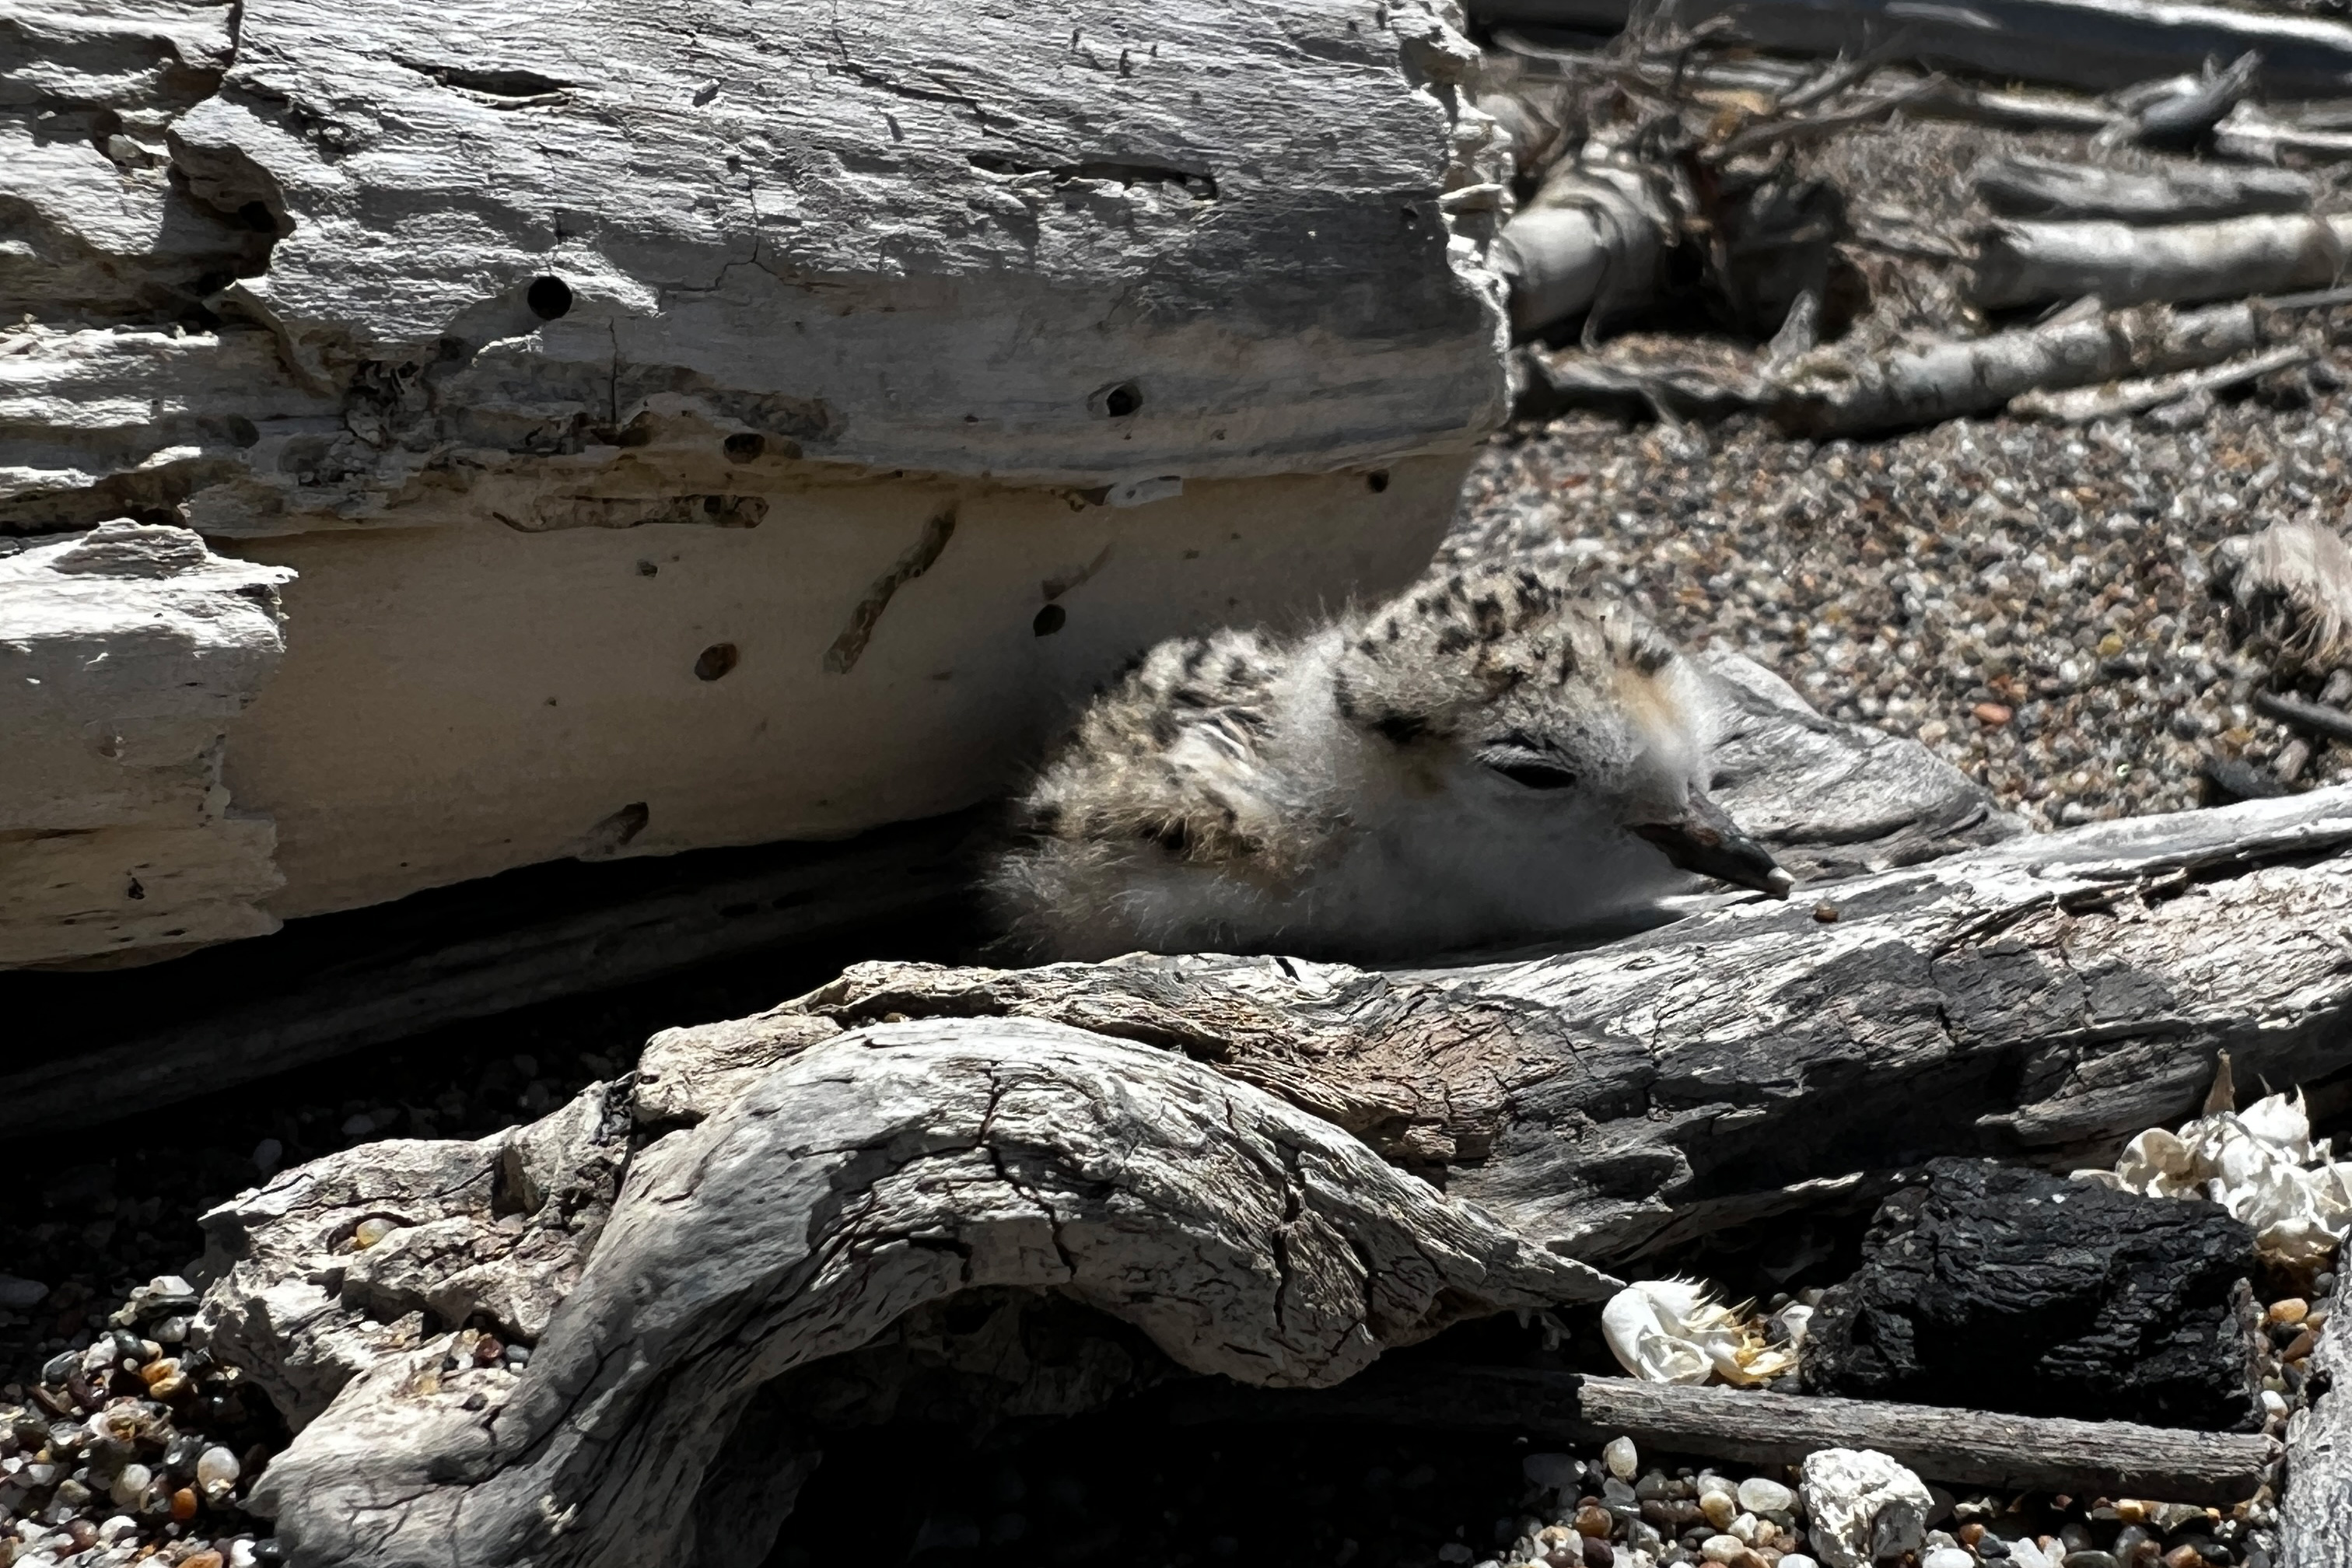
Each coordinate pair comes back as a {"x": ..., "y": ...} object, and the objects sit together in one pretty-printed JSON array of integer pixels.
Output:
[
  {"x": 1672, "y": 1330},
  {"x": 2261, "y": 1165}
]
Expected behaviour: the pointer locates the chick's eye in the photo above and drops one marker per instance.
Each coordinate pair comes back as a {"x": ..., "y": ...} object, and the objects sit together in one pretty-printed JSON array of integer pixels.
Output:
[{"x": 1534, "y": 775}]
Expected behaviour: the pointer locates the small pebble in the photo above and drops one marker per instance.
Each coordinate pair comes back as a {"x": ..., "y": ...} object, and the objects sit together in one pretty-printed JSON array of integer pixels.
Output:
[
  {"x": 2294, "y": 1310},
  {"x": 183, "y": 1506},
  {"x": 1759, "y": 1494},
  {"x": 1594, "y": 1522},
  {"x": 1599, "y": 1553},
  {"x": 1720, "y": 1509},
  {"x": 266, "y": 1153},
  {"x": 373, "y": 1229},
  {"x": 1724, "y": 1549},
  {"x": 1992, "y": 715},
  {"x": 202, "y": 1560},
  {"x": 1621, "y": 1457},
  {"x": 1947, "y": 1557},
  {"x": 216, "y": 1471},
  {"x": 2090, "y": 1559},
  {"x": 2184, "y": 1556},
  {"x": 1796, "y": 1559}
]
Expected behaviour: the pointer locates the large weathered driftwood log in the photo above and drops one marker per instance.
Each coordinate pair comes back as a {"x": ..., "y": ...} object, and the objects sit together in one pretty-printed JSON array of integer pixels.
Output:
[
  {"x": 691, "y": 419},
  {"x": 1190, "y": 1144},
  {"x": 1963, "y": 1447}
]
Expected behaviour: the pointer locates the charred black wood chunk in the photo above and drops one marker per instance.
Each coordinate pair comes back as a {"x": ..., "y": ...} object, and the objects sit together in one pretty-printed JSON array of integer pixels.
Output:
[{"x": 1998, "y": 1289}]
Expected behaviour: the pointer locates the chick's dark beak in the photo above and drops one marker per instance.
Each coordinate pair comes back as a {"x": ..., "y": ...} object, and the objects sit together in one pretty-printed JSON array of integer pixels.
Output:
[{"x": 1705, "y": 840}]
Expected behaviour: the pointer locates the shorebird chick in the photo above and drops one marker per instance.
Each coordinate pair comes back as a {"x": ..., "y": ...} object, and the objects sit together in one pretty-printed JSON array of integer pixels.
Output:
[{"x": 1483, "y": 759}]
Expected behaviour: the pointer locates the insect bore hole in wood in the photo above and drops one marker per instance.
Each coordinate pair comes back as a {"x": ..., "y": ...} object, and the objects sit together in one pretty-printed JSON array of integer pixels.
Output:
[
  {"x": 1050, "y": 619},
  {"x": 715, "y": 660},
  {"x": 745, "y": 445},
  {"x": 1377, "y": 480},
  {"x": 548, "y": 298}
]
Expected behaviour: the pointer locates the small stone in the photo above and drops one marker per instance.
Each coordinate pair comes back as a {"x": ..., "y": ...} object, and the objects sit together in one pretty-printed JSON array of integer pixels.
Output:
[
  {"x": 2293, "y": 1310},
  {"x": 373, "y": 1229},
  {"x": 216, "y": 1471},
  {"x": 1796, "y": 1559},
  {"x": 120, "y": 1527},
  {"x": 1594, "y": 1522},
  {"x": 1992, "y": 715},
  {"x": 266, "y": 1153},
  {"x": 1599, "y": 1553},
  {"x": 183, "y": 1506},
  {"x": 1759, "y": 1495},
  {"x": 1720, "y": 1509},
  {"x": 1565, "y": 1556},
  {"x": 2090, "y": 1559},
  {"x": 1625, "y": 1461},
  {"x": 1826, "y": 913},
  {"x": 2131, "y": 1510},
  {"x": 202, "y": 1560},
  {"x": 132, "y": 1485},
  {"x": 1724, "y": 1549},
  {"x": 2170, "y": 1516},
  {"x": 2301, "y": 1346},
  {"x": 1947, "y": 1557},
  {"x": 2184, "y": 1556},
  {"x": 17, "y": 1294}
]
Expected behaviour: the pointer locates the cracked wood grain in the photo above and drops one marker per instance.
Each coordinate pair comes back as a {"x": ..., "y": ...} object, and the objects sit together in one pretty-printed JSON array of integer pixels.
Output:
[
  {"x": 888, "y": 1168},
  {"x": 2042, "y": 998}
]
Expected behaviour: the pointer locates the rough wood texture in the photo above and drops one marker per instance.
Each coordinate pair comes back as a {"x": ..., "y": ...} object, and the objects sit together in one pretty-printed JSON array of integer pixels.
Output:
[
  {"x": 886, "y": 1168},
  {"x": 2315, "y": 1512},
  {"x": 2050, "y": 263},
  {"x": 556, "y": 356},
  {"x": 796, "y": 1181},
  {"x": 125, "y": 652},
  {"x": 2183, "y": 193},
  {"x": 2044, "y": 998},
  {"x": 1830, "y": 393},
  {"x": 1962, "y": 1447},
  {"x": 2094, "y": 44}
]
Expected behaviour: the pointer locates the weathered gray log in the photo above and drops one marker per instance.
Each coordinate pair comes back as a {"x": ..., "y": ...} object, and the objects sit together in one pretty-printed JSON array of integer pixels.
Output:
[
  {"x": 2020, "y": 187},
  {"x": 1960, "y": 1447},
  {"x": 884, "y": 1170},
  {"x": 1171, "y": 1142},
  {"x": 2122, "y": 264},
  {"x": 2315, "y": 1512},
  {"x": 2099, "y": 45},
  {"x": 688, "y": 417},
  {"x": 1832, "y": 392}
]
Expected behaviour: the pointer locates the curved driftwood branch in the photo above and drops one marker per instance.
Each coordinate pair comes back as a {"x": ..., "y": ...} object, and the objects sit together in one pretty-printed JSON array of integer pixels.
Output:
[
  {"x": 2046, "y": 263},
  {"x": 888, "y": 1168}
]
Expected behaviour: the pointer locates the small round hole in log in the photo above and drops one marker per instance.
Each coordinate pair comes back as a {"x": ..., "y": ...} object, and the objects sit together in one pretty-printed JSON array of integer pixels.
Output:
[
  {"x": 548, "y": 298},
  {"x": 1050, "y": 619},
  {"x": 745, "y": 445},
  {"x": 1119, "y": 401},
  {"x": 715, "y": 660},
  {"x": 1377, "y": 480}
]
